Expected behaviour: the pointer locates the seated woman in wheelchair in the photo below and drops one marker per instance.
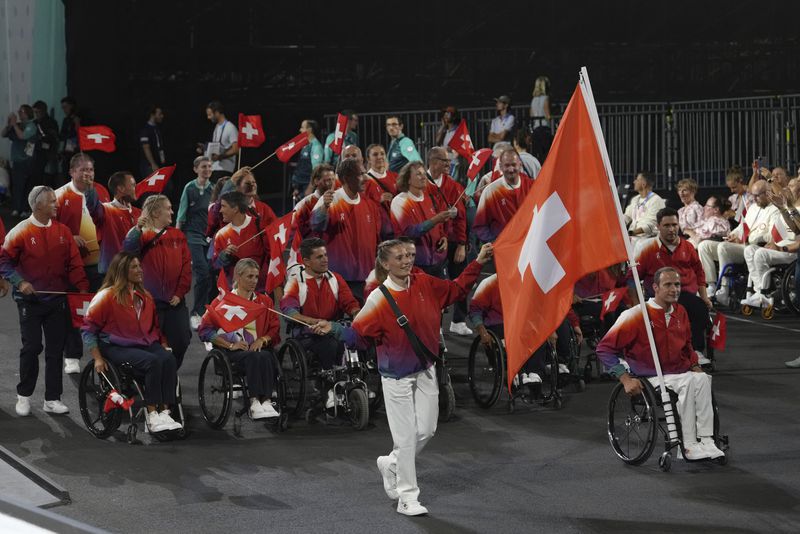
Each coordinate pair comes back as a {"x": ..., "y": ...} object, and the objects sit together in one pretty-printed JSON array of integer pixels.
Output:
[
  {"x": 486, "y": 313},
  {"x": 679, "y": 363},
  {"x": 121, "y": 325},
  {"x": 249, "y": 348}
]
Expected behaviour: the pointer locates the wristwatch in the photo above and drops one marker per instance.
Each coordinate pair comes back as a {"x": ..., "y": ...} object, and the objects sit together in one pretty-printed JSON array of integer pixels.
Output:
[{"x": 785, "y": 249}]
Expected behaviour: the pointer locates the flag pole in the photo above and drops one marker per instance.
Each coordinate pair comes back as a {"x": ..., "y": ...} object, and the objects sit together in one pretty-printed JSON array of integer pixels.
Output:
[
  {"x": 239, "y": 159},
  {"x": 251, "y": 237},
  {"x": 263, "y": 160},
  {"x": 588, "y": 98}
]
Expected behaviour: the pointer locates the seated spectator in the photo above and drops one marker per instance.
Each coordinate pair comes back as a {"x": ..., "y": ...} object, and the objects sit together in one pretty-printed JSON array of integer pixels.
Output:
[
  {"x": 121, "y": 326},
  {"x": 714, "y": 225},
  {"x": 640, "y": 215},
  {"x": 690, "y": 216},
  {"x": 249, "y": 348},
  {"x": 777, "y": 177},
  {"x": 740, "y": 198},
  {"x": 682, "y": 372}
]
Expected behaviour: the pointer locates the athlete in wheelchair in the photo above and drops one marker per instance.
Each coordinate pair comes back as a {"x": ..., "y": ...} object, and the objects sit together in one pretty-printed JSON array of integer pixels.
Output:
[
  {"x": 242, "y": 357},
  {"x": 121, "y": 333},
  {"x": 633, "y": 417},
  {"x": 316, "y": 296}
]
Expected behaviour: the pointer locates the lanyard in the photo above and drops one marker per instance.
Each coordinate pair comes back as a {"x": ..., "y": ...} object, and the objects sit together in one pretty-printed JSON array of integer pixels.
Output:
[{"x": 221, "y": 131}]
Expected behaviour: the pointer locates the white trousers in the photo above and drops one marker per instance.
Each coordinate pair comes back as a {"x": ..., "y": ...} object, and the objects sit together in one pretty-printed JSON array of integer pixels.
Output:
[
  {"x": 412, "y": 408},
  {"x": 694, "y": 403},
  {"x": 759, "y": 260},
  {"x": 722, "y": 251}
]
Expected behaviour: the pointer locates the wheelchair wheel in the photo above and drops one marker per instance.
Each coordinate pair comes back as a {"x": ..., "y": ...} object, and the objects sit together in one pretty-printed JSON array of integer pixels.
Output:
[
  {"x": 485, "y": 371},
  {"x": 280, "y": 423},
  {"x": 358, "y": 408},
  {"x": 292, "y": 361},
  {"x": 92, "y": 392},
  {"x": 632, "y": 424},
  {"x": 788, "y": 291},
  {"x": 747, "y": 311},
  {"x": 215, "y": 389},
  {"x": 767, "y": 313},
  {"x": 447, "y": 396},
  {"x": 550, "y": 379}
]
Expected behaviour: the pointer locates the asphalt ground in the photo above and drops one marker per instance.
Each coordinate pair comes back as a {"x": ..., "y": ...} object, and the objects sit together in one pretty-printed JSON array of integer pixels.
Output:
[{"x": 536, "y": 470}]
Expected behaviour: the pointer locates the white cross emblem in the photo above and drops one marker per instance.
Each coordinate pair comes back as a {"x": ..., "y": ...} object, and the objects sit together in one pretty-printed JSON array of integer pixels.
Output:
[
  {"x": 273, "y": 266},
  {"x": 288, "y": 147},
  {"x": 249, "y": 131},
  {"x": 155, "y": 178},
  {"x": 97, "y": 138},
  {"x": 281, "y": 235},
  {"x": 610, "y": 300},
  {"x": 466, "y": 142},
  {"x": 338, "y": 134},
  {"x": 81, "y": 312},
  {"x": 475, "y": 160},
  {"x": 535, "y": 254},
  {"x": 716, "y": 331},
  {"x": 234, "y": 311}
]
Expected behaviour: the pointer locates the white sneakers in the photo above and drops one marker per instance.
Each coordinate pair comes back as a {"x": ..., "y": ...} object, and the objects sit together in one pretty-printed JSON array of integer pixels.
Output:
[
  {"x": 757, "y": 300},
  {"x": 704, "y": 449},
  {"x": 722, "y": 296},
  {"x": 389, "y": 477},
  {"x": 55, "y": 406},
  {"x": 531, "y": 378},
  {"x": 794, "y": 364},
  {"x": 701, "y": 358},
  {"x": 269, "y": 409},
  {"x": 23, "y": 406},
  {"x": 411, "y": 508},
  {"x": 194, "y": 321},
  {"x": 460, "y": 328},
  {"x": 262, "y": 410},
  {"x": 72, "y": 366},
  {"x": 711, "y": 448},
  {"x": 562, "y": 368},
  {"x": 160, "y": 422}
]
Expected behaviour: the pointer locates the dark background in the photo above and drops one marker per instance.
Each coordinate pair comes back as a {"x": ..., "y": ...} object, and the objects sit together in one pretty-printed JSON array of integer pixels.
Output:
[{"x": 302, "y": 59}]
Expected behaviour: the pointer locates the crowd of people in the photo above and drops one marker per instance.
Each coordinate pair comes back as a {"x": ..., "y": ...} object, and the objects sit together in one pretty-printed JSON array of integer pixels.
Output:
[{"x": 393, "y": 221}]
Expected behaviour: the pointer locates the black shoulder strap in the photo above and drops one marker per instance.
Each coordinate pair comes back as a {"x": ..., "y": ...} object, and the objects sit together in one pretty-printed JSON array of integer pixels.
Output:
[
  {"x": 382, "y": 186},
  {"x": 150, "y": 244},
  {"x": 438, "y": 190},
  {"x": 425, "y": 356}
]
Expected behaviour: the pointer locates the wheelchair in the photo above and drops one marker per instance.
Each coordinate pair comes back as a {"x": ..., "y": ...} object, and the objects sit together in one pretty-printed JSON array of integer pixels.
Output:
[
  {"x": 634, "y": 424},
  {"x": 307, "y": 384},
  {"x": 737, "y": 281},
  {"x": 486, "y": 374},
  {"x": 93, "y": 390},
  {"x": 780, "y": 281},
  {"x": 220, "y": 383}
]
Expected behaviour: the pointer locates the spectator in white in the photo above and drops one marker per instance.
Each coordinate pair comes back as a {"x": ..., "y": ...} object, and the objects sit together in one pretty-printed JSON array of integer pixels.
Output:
[
  {"x": 401, "y": 149},
  {"x": 777, "y": 178},
  {"x": 541, "y": 132},
  {"x": 714, "y": 225},
  {"x": 503, "y": 124},
  {"x": 350, "y": 137},
  {"x": 153, "y": 156},
  {"x": 759, "y": 220},
  {"x": 21, "y": 130},
  {"x": 776, "y": 252},
  {"x": 224, "y": 141},
  {"x": 640, "y": 215},
  {"x": 310, "y": 156},
  {"x": 740, "y": 198},
  {"x": 690, "y": 216},
  {"x": 530, "y": 164}
]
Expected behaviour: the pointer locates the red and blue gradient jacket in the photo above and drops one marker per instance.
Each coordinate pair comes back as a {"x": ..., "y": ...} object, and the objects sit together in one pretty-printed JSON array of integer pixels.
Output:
[
  {"x": 485, "y": 307},
  {"x": 411, "y": 217},
  {"x": 628, "y": 338},
  {"x": 167, "y": 265},
  {"x": 256, "y": 249},
  {"x": 498, "y": 204},
  {"x": 422, "y": 303},
  {"x": 328, "y": 297},
  {"x": 684, "y": 259},
  {"x": 446, "y": 192},
  {"x": 351, "y": 229},
  {"x": 302, "y": 214},
  {"x": 74, "y": 212},
  {"x": 113, "y": 220},
  {"x": 110, "y": 322},
  {"x": 266, "y": 324},
  {"x": 43, "y": 255}
]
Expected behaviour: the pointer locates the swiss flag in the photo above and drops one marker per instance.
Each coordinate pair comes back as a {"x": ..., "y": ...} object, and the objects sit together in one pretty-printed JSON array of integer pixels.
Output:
[
  {"x": 116, "y": 400},
  {"x": 155, "y": 182},
  {"x": 477, "y": 161},
  {"x": 232, "y": 312},
  {"x": 96, "y": 138},
  {"x": 338, "y": 134},
  {"x": 292, "y": 147},
  {"x": 496, "y": 172},
  {"x": 745, "y": 232},
  {"x": 461, "y": 141},
  {"x": 222, "y": 285},
  {"x": 779, "y": 231},
  {"x": 719, "y": 332},
  {"x": 251, "y": 131},
  {"x": 568, "y": 226},
  {"x": 78, "y": 305},
  {"x": 278, "y": 234},
  {"x": 612, "y": 300}
]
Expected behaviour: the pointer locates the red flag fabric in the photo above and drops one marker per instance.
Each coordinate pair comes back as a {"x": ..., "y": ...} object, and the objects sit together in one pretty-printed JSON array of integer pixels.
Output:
[
  {"x": 155, "y": 182},
  {"x": 102, "y": 192},
  {"x": 568, "y": 226},
  {"x": 278, "y": 234},
  {"x": 461, "y": 141},
  {"x": 251, "y": 131},
  {"x": 338, "y": 134},
  {"x": 779, "y": 231},
  {"x": 232, "y": 312},
  {"x": 96, "y": 138},
  {"x": 477, "y": 161},
  {"x": 291, "y": 147},
  {"x": 78, "y": 305},
  {"x": 611, "y": 301},
  {"x": 116, "y": 401},
  {"x": 222, "y": 285},
  {"x": 719, "y": 332},
  {"x": 745, "y": 232},
  {"x": 496, "y": 172}
]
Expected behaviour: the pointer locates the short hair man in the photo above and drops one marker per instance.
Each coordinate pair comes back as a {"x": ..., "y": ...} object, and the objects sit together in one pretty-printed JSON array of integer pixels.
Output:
[
  {"x": 681, "y": 370},
  {"x": 322, "y": 178},
  {"x": 224, "y": 141},
  {"x": 503, "y": 124},
  {"x": 239, "y": 238},
  {"x": 152, "y": 156},
  {"x": 640, "y": 215},
  {"x": 401, "y": 148},
  {"x": 500, "y": 199},
  {"x": 114, "y": 219}
]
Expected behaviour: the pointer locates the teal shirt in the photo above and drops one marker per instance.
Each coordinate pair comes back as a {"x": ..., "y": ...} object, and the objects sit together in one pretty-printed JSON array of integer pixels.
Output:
[
  {"x": 193, "y": 212},
  {"x": 401, "y": 151},
  {"x": 18, "y": 145},
  {"x": 350, "y": 138}
]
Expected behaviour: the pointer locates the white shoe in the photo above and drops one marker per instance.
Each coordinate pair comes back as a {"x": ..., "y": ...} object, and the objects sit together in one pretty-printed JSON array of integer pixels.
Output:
[
  {"x": 515, "y": 382},
  {"x": 257, "y": 411},
  {"x": 711, "y": 448},
  {"x": 55, "y": 406},
  {"x": 722, "y": 296},
  {"x": 460, "y": 328},
  {"x": 794, "y": 364},
  {"x": 331, "y": 401},
  {"x": 194, "y": 321},
  {"x": 168, "y": 422},
  {"x": 766, "y": 302},
  {"x": 72, "y": 366},
  {"x": 269, "y": 409},
  {"x": 23, "y": 406},
  {"x": 701, "y": 359},
  {"x": 389, "y": 477},
  {"x": 154, "y": 422},
  {"x": 531, "y": 378},
  {"x": 411, "y": 508},
  {"x": 696, "y": 451},
  {"x": 753, "y": 300},
  {"x": 563, "y": 369}
]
